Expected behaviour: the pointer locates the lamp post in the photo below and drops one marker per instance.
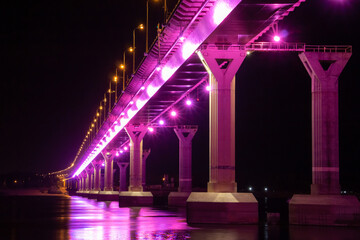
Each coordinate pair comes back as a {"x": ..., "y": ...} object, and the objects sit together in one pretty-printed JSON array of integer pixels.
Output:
[
  {"x": 141, "y": 27},
  {"x": 115, "y": 80},
  {"x": 123, "y": 66},
  {"x": 147, "y": 23}
]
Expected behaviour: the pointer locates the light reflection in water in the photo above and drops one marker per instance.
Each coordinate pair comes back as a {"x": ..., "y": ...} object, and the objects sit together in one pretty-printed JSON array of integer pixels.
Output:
[
  {"x": 105, "y": 220},
  {"x": 79, "y": 218}
]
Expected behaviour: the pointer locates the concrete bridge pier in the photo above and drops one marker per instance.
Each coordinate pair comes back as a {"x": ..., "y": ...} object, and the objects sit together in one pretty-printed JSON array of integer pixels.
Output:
[
  {"x": 145, "y": 155},
  {"x": 108, "y": 194},
  {"x": 135, "y": 195},
  {"x": 82, "y": 177},
  {"x": 96, "y": 173},
  {"x": 222, "y": 204},
  {"x": 122, "y": 167},
  {"x": 185, "y": 135},
  {"x": 325, "y": 205},
  {"x": 88, "y": 171}
]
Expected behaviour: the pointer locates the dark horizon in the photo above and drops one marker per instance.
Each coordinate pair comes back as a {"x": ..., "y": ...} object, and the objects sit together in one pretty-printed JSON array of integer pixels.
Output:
[{"x": 59, "y": 58}]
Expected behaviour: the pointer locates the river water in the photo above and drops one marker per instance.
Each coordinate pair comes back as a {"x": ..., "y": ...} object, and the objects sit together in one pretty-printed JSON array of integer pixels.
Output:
[{"x": 50, "y": 217}]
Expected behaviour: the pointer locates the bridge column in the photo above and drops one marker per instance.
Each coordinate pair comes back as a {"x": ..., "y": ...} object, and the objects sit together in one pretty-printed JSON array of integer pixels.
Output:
[
  {"x": 145, "y": 155},
  {"x": 135, "y": 195},
  {"x": 108, "y": 194},
  {"x": 83, "y": 181},
  {"x": 185, "y": 135},
  {"x": 122, "y": 168},
  {"x": 97, "y": 175},
  {"x": 109, "y": 172},
  {"x": 136, "y": 135},
  {"x": 325, "y": 205},
  {"x": 222, "y": 203},
  {"x": 88, "y": 171}
]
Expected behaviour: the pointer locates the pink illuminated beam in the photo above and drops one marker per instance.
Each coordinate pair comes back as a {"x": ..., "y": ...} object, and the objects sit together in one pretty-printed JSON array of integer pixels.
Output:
[{"x": 199, "y": 34}]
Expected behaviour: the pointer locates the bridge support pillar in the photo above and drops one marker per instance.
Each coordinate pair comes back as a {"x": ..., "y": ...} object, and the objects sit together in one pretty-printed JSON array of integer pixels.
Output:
[
  {"x": 222, "y": 203},
  {"x": 185, "y": 135},
  {"x": 325, "y": 205},
  {"x": 109, "y": 173},
  {"x": 87, "y": 180},
  {"x": 95, "y": 179},
  {"x": 108, "y": 194},
  {"x": 122, "y": 168},
  {"x": 135, "y": 195},
  {"x": 145, "y": 155},
  {"x": 97, "y": 176}
]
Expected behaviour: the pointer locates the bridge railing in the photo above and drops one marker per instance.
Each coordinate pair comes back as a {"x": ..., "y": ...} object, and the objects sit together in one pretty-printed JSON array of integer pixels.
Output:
[
  {"x": 328, "y": 48},
  {"x": 280, "y": 47}
]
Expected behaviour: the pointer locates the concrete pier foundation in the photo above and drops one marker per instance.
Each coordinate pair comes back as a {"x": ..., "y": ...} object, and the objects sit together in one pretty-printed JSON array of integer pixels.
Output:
[
  {"x": 108, "y": 194},
  {"x": 185, "y": 135},
  {"x": 135, "y": 195},
  {"x": 221, "y": 201},
  {"x": 325, "y": 205}
]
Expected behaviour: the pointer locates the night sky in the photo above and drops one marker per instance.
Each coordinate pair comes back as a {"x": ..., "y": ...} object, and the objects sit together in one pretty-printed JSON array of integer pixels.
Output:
[{"x": 58, "y": 57}]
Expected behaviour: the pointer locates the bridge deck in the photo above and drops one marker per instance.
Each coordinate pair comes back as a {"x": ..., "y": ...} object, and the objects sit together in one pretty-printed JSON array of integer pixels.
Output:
[{"x": 190, "y": 25}]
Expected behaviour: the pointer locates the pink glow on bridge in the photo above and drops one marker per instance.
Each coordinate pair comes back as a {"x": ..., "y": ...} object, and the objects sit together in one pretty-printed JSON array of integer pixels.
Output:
[
  {"x": 221, "y": 11},
  {"x": 205, "y": 27}
]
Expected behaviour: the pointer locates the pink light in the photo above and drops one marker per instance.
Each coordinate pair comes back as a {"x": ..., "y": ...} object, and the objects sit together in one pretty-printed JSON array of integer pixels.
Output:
[
  {"x": 158, "y": 68},
  {"x": 161, "y": 122},
  {"x": 208, "y": 88},
  {"x": 182, "y": 39},
  {"x": 103, "y": 164},
  {"x": 125, "y": 148},
  {"x": 117, "y": 154},
  {"x": 151, "y": 90},
  {"x": 167, "y": 72},
  {"x": 277, "y": 38},
  {"x": 142, "y": 88},
  {"x": 221, "y": 11},
  {"x": 121, "y": 151},
  {"x": 151, "y": 129},
  {"x": 122, "y": 114},
  {"x": 173, "y": 113},
  {"x": 131, "y": 102},
  {"x": 188, "y": 49},
  {"x": 188, "y": 102}
]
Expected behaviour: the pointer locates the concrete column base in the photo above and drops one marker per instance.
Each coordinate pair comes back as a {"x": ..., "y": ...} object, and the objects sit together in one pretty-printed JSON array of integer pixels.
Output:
[
  {"x": 108, "y": 196},
  {"x": 222, "y": 208},
  {"x": 93, "y": 194},
  {"x": 127, "y": 199},
  {"x": 178, "y": 199},
  {"x": 327, "y": 210}
]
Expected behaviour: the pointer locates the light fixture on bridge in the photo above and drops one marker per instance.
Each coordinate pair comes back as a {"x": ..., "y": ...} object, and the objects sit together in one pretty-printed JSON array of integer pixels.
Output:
[
  {"x": 277, "y": 38},
  {"x": 161, "y": 122},
  {"x": 188, "y": 102},
  {"x": 125, "y": 148},
  {"x": 151, "y": 129},
  {"x": 142, "y": 88},
  {"x": 250, "y": 188},
  {"x": 208, "y": 88},
  {"x": 173, "y": 113},
  {"x": 117, "y": 154},
  {"x": 131, "y": 102},
  {"x": 221, "y": 11},
  {"x": 121, "y": 151}
]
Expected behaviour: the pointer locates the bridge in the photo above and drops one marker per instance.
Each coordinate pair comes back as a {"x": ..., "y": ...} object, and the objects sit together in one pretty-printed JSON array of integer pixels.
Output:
[{"x": 204, "y": 42}]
